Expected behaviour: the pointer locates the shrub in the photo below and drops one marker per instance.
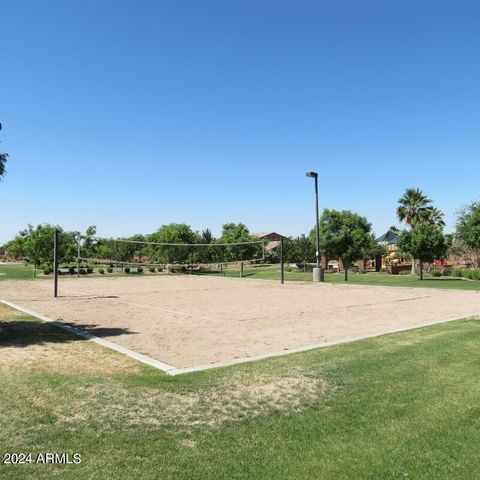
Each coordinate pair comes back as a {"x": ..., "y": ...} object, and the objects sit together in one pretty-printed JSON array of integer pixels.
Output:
[
  {"x": 71, "y": 270},
  {"x": 474, "y": 274},
  {"x": 471, "y": 274},
  {"x": 47, "y": 271},
  {"x": 458, "y": 273},
  {"x": 159, "y": 269},
  {"x": 140, "y": 270},
  {"x": 466, "y": 273},
  {"x": 126, "y": 269},
  {"x": 82, "y": 271},
  {"x": 446, "y": 272},
  {"x": 151, "y": 269},
  {"x": 436, "y": 273},
  {"x": 305, "y": 267},
  {"x": 89, "y": 270},
  {"x": 101, "y": 271},
  {"x": 178, "y": 269},
  {"x": 110, "y": 270}
]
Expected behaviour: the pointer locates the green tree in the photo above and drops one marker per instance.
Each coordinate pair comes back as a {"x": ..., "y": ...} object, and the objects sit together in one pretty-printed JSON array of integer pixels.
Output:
[
  {"x": 299, "y": 249},
  {"x": 415, "y": 208},
  {"x": 88, "y": 243},
  {"x": 3, "y": 161},
  {"x": 435, "y": 217},
  {"x": 206, "y": 254},
  {"x": 38, "y": 245},
  {"x": 173, "y": 233},
  {"x": 426, "y": 242},
  {"x": 206, "y": 236},
  {"x": 16, "y": 248},
  {"x": 467, "y": 234},
  {"x": 237, "y": 233},
  {"x": 112, "y": 250},
  {"x": 345, "y": 235}
]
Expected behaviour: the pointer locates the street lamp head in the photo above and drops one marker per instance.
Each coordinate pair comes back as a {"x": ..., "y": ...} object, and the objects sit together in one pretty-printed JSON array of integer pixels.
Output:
[{"x": 312, "y": 174}]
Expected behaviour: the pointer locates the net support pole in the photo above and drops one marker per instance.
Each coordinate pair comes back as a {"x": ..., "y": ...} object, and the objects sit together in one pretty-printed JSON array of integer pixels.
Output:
[
  {"x": 55, "y": 263},
  {"x": 241, "y": 269},
  {"x": 78, "y": 256},
  {"x": 282, "y": 270}
]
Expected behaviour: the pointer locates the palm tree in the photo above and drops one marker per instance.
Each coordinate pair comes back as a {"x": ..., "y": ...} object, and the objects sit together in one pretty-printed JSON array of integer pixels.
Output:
[
  {"x": 435, "y": 217},
  {"x": 3, "y": 161},
  {"x": 413, "y": 208}
]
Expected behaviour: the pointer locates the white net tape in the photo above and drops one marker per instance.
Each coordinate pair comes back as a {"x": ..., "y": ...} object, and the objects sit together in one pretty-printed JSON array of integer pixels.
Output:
[{"x": 162, "y": 254}]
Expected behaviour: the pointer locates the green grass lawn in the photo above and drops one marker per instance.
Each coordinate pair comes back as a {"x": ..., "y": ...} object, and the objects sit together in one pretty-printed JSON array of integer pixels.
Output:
[
  {"x": 371, "y": 278},
  {"x": 25, "y": 272},
  {"x": 400, "y": 406},
  {"x": 13, "y": 272},
  {"x": 17, "y": 272}
]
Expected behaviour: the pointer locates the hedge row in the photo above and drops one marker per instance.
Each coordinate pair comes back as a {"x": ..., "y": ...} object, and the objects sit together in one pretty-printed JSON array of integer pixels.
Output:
[
  {"x": 86, "y": 270},
  {"x": 467, "y": 273}
]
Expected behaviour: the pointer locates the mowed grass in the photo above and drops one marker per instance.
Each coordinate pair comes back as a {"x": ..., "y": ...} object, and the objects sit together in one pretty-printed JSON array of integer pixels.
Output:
[
  {"x": 371, "y": 278},
  {"x": 14, "y": 271},
  {"x": 272, "y": 272},
  {"x": 400, "y": 406},
  {"x": 25, "y": 272}
]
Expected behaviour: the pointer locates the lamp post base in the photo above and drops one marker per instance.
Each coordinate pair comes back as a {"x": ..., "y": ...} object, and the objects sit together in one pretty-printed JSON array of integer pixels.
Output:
[{"x": 318, "y": 274}]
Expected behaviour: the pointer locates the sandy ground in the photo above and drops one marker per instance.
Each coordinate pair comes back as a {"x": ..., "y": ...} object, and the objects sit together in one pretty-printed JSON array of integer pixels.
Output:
[{"x": 188, "y": 321}]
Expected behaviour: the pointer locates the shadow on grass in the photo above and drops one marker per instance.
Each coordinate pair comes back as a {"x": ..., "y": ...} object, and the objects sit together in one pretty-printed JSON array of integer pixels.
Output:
[
  {"x": 445, "y": 280},
  {"x": 22, "y": 333}
]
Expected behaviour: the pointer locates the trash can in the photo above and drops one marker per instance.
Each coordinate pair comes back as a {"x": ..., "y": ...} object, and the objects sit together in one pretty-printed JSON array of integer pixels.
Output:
[{"x": 318, "y": 274}]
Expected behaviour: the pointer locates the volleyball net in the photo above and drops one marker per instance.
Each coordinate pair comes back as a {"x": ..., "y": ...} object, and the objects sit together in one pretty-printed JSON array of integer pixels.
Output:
[{"x": 121, "y": 252}]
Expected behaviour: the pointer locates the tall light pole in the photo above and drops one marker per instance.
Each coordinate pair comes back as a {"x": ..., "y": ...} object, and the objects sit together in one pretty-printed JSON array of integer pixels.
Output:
[
  {"x": 317, "y": 273},
  {"x": 55, "y": 262}
]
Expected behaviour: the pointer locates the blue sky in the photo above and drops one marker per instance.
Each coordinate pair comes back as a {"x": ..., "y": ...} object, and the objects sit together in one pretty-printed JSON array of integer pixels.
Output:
[{"x": 129, "y": 115}]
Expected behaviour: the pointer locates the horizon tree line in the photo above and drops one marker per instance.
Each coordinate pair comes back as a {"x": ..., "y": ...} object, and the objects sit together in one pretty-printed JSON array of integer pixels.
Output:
[{"x": 344, "y": 235}]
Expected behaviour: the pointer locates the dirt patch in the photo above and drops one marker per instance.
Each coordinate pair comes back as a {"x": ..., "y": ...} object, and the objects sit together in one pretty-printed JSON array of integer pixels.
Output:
[
  {"x": 229, "y": 401},
  {"x": 73, "y": 357},
  {"x": 236, "y": 400},
  {"x": 189, "y": 443},
  {"x": 8, "y": 313}
]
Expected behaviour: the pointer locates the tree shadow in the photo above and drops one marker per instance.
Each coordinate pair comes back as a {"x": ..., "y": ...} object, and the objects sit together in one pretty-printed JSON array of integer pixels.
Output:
[
  {"x": 245, "y": 274},
  {"x": 444, "y": 280},
  {"x": 23, "y": 333}
]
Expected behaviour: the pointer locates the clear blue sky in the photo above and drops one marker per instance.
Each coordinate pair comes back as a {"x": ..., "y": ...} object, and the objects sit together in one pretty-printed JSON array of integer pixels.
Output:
[{"x": 132, "y": 114}]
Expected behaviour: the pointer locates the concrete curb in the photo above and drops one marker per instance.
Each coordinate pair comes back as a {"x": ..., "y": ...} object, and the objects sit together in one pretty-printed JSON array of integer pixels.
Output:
[
  {"x": 165, "y": 367},
  {"x": 173, "y": 371}
]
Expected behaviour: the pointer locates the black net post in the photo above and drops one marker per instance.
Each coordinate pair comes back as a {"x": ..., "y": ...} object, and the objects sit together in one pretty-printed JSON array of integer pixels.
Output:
[
  {"x": 55, "y": 263},
  {"x": 282, "y": 270},
  {"x": 79, "y": 238}
]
